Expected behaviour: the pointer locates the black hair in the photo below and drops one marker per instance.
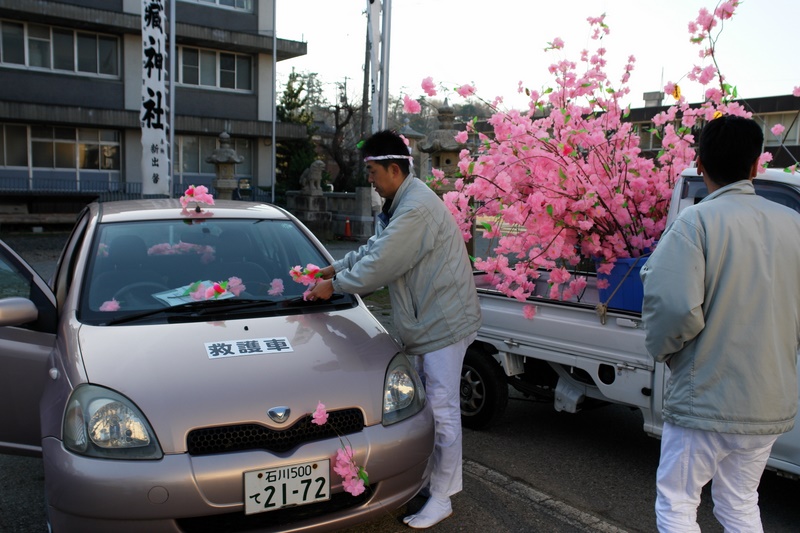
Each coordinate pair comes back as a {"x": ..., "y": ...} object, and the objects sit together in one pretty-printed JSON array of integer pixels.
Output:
[
  {"x": 387, "y": 142},
  {"x": 729, "y": 145}
]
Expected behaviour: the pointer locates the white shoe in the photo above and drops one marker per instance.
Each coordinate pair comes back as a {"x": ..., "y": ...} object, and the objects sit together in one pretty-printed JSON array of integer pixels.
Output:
[{"x": 434, "y": 511}]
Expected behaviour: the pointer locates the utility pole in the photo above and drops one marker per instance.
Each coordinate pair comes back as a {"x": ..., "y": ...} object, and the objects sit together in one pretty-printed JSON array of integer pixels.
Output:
[{"x": 379, "y": 11}]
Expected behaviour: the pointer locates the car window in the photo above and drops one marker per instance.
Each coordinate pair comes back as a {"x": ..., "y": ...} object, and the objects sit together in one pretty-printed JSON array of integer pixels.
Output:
[
  {"x": 17, "y": 281},
  {"x": 13, "y": 283},
  {"x": 137, "y": 266},
  {"x": 780, "y": 193}
]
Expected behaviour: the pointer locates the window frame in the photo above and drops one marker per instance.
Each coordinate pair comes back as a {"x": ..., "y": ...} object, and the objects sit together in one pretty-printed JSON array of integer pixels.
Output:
[{"x": 199, "y": 69}]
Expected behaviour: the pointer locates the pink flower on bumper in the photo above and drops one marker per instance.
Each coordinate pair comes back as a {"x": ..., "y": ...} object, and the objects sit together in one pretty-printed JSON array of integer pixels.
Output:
[
  {"x": 353, "y": 485},
  {"x": 410, "y": 105},
  {"x": 428, "y": 86},
  {"x": 320, "y": 416}
]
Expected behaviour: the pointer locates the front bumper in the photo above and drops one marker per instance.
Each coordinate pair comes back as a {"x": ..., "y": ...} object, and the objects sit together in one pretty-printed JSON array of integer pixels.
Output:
[{"x": 86, "y": 494}]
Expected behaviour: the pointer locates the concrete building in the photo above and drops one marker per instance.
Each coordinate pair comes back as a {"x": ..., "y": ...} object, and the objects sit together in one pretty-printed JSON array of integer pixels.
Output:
[{"x": 71, "y": 94}]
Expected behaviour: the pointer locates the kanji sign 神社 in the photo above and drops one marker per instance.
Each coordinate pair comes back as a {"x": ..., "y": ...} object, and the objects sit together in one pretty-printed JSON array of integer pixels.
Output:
[{"x": 154, "y": 109}]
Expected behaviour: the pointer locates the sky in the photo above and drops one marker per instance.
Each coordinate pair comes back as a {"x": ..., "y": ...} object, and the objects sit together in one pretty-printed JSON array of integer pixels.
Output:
[{"x": 495, "y": 44}]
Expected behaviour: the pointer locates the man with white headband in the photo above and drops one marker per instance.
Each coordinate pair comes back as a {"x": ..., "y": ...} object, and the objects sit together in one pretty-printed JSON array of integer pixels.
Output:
[{"x": 419, "y": 253}]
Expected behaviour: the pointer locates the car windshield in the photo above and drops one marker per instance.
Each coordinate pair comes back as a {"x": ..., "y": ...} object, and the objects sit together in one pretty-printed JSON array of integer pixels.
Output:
[{"x": 140, "y": 268}]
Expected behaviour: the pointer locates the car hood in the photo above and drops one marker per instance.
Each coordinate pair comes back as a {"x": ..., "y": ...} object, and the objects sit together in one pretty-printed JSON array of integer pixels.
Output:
[{"x": 182, "y": 376}]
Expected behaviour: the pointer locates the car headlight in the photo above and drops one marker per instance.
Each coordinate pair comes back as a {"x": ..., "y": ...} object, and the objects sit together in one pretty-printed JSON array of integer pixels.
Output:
[
  {"x": 403, "y": 393},
  {"x": 102, "y": 423}
]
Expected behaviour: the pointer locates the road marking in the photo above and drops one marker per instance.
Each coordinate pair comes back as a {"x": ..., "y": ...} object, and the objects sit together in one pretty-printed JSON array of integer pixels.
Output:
[{"x": 544, "y": 502}]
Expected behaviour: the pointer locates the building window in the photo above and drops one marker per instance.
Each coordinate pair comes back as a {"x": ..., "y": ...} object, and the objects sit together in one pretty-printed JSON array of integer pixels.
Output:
[
  {"x": 13, "y": 43},
  {"x": 52, "y": 48},
  {"x": 789, "y": 121},
  {"x": 191, "y": 152},
  {"x": 222, "y": 70},
  {"x": 244, "y": 5},
  {"x": 13, "y": 146},
  {"x": 71, "y": 148}
]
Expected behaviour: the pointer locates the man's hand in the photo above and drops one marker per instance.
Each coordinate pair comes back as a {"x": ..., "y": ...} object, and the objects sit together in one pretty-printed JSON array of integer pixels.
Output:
[
  {"x": 322, "y": 290},
  {"x": 328, "y": 272}
]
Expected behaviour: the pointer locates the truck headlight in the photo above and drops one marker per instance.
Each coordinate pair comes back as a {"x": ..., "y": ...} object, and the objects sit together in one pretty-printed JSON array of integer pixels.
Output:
[
  {"x": 102, "y": 423},
  {"x": 403, "y": 393}
]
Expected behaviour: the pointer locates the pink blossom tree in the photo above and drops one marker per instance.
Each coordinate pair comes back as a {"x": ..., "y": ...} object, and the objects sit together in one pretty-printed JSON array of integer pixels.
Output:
[{"x": 566, "y": 179}]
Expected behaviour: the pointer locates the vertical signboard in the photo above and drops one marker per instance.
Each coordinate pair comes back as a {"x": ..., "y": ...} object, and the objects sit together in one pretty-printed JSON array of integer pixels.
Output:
[{"x": 154, "y": 111}]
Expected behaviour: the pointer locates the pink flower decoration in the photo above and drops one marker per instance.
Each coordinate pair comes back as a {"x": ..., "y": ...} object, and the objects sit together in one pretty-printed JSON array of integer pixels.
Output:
[
  {"x": 353, "y": 485},
  {"x": 461, "y": 137},
  {"x": 199, "y": 293},
  {"x": 796, "y": 91},
  {"x": 306, "y": 276},
  {"x": 214, "y": 291},
  {"x": 320, "y": 416},
  {"x": 529, "y": 311},
  {"x": 557, "y": 43},
  {"x": 428, "y": 86},
  {"x": 466, "y": 90},
  {"x": 197, "y": 194},
  {"x": 777, "y": 129},
  {"x": 235, "y": 286},
  {"x": 276, "y": 287},
  {"x": 110, "y": 305},
  {"x": 410, "y": 105}
]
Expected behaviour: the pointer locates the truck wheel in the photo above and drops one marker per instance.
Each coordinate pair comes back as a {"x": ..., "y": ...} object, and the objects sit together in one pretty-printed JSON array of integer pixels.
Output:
[{"x": 484, "y": 390}]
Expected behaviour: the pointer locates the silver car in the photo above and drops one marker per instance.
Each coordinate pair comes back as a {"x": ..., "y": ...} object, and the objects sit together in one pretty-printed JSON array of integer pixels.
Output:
[{"x": 171, "y": 375}]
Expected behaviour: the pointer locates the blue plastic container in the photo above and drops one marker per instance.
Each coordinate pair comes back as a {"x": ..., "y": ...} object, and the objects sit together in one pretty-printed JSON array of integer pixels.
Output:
[{"x": 631, "y": 292}]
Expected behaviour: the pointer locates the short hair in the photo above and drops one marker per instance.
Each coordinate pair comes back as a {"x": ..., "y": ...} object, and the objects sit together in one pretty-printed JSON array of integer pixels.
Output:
[
  {"x": 385, "y": 143},
  {"x": 728, "y": 147}
]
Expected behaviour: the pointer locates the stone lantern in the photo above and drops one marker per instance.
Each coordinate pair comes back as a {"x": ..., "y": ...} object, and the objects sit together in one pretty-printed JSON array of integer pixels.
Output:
[
  {"x": 414, "y": 137},
  {"x": 441, "y": 146},
  {"x": 443, "y": 151},
  {"x": 224, "y": 158}
]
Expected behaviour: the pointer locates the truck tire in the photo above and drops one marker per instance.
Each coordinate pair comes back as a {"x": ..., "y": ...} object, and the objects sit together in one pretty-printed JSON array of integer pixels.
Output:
[{"x": 484, "y": 390}]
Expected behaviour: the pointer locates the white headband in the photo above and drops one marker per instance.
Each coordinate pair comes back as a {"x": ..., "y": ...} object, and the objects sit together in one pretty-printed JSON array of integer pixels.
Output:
[{"x": 384, "y": 157}]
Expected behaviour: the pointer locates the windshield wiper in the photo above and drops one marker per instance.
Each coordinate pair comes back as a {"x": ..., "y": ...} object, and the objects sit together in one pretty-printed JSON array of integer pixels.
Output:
[
  {"x": 198, "y": 308},
  {"x": 231, "y": 305}
]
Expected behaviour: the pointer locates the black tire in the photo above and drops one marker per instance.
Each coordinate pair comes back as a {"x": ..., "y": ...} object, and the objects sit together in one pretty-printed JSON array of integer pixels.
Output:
[{"x": 484, "y": 390}]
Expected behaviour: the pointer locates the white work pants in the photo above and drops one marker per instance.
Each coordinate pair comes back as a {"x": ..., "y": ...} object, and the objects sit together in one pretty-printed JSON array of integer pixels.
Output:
[
  {"x": 441, "y": 372},
  {"x": 690, "y": 458}
]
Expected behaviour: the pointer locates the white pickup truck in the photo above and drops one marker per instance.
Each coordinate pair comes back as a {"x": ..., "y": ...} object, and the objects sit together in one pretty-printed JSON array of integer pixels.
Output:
[{"x": 570, "y": 355}]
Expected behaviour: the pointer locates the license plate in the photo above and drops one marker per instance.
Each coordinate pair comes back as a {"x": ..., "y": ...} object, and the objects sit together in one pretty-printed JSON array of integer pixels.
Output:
[{"x": 284, "y": 486}]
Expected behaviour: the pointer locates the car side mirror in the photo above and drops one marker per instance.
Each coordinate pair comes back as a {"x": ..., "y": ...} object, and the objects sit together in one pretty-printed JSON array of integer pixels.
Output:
[{"x": 16, "y": 311}]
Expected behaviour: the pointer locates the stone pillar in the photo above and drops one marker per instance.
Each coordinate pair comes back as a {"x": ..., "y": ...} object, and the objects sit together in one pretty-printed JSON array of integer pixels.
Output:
[
  {"x": 311, "y": 206},
  {"x": 224, "y": 158}
]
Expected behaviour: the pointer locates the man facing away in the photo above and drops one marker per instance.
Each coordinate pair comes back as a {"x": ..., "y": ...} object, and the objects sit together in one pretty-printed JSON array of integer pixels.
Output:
[
  {"x": 420, "y": 254},
  {"x": 722, "y": 310}
]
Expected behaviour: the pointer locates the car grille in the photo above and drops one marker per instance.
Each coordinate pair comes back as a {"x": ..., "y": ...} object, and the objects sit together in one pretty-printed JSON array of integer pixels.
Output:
[
  {"x": 273, "y": 520},
  {"x": 240, "y": 437}
]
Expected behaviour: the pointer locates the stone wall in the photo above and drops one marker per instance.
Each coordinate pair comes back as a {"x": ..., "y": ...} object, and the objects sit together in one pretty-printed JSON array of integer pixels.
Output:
[{"x": 327, "y": 216}]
